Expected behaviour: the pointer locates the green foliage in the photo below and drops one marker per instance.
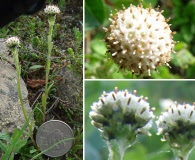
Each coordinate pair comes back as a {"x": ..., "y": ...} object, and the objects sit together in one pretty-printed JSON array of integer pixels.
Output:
[
  {"x": 76, "y": 55},
  {"x": 11, "y": 145},
  {"x": 78, "y": 39},
  {"x": 182, "y": 20},
  {"x": 95, "y": 13}
]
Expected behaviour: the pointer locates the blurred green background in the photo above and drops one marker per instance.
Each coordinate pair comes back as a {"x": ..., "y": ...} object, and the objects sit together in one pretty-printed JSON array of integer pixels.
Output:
[
  {"x": 181, "y": 12},
  {"x": 148, "y": 148}
]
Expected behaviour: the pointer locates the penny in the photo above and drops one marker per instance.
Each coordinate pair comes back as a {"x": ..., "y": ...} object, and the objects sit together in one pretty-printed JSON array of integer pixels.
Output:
[{"x": 56, "y": 136}]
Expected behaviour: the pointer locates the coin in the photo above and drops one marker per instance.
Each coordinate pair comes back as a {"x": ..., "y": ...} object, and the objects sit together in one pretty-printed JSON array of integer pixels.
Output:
[{"x": 56, "y": 136}]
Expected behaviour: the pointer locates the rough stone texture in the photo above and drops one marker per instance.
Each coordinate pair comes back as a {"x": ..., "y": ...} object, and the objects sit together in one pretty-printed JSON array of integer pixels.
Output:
[
  {"x": 11, "y": 116},
  {"x": 70, "y": 87}
]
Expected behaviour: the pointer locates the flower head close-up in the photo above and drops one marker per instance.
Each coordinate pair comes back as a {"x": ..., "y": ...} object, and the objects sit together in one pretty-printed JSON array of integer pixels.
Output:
[
  {"x": 120, "y": 116},
  {"x": 177, "y": 125},
  {"x": 139, "y": 40}
]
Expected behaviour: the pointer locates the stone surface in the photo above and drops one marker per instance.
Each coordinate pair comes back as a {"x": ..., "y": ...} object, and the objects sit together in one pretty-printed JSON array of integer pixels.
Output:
[
  {"x": 70, "y": 87},
  {"x": 11, "y": 116}
]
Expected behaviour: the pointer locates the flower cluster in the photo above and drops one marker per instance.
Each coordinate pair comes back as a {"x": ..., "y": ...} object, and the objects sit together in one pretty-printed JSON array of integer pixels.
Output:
[
  {"x": 177, "y": 120},
  {"x": 12, "y": 42},
  {"x": 139, "y": 39},
  {"x": 52, "y": 10},
  {"x": 121, "y": 115}
]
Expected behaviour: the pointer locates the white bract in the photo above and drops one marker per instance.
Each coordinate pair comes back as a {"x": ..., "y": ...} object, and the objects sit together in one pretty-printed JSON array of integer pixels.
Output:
[
  {"x": 12, "y": 42},
  {"x": 139, "y": 39}
]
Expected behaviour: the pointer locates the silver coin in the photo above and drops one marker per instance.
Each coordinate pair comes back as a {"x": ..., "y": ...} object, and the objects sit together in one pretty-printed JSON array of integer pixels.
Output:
[{"x": 56, "y": 136}]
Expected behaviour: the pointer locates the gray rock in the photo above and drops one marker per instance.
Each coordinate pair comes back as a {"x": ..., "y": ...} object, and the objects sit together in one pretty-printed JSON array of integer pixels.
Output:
[
  {"x": 11, "y": 115},
  {"x": 70, "y": 87}
]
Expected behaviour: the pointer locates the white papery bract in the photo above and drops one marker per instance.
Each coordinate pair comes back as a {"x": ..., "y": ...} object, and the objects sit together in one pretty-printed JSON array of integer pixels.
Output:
[
  {"x": 121, "y": 115},
  {"x": 139, "y": 39}
]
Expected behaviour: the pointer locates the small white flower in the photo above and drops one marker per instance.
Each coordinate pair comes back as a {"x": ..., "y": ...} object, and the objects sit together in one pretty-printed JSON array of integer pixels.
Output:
[
  {"x": 52, "y": 9},
  {"x": 139, "y": 39},
  {"x": 165, "y": 102},
  {"x": 177, "y": 116},
  {"x": 177, "y": 127},
  {"x": 120, "y": 115},
  {"x": 12, "y": 42}
]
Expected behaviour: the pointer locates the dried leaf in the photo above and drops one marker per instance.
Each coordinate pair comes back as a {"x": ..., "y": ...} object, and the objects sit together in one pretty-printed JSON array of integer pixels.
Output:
[{"x": 35, "y": 83}]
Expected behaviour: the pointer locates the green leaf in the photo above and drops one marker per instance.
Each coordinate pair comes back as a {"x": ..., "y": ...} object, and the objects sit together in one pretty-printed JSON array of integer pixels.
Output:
[
  {"x": 183, "y": 58},
  {"x": 35, "y": 41},
  {"x": 36, "y": 67},
  {"x": 186, "y": 32},
  {"x": 180, "y": 45},
  {"x": 133, "y": 155},
  {"x": 49, "y": 87},
  {"x": 33, "y": 151},
  {"x": 99, "y": 47},
  {"x": 43, "y": 99},
  {"x": 5, "y": 136},
  {"x": 15, "y": 134},
  {"x": 152, "y": 2},
  {"x": 94, "y": 13},
  {"x": 70, "y": 51},
  {"x": 19, "y": 144},
  {"x": 3, "y": 146}
]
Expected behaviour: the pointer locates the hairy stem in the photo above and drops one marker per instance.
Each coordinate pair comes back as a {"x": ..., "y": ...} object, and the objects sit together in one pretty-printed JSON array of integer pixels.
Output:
[
  {"x": 182, "y": 153},
  {"x": 116, "y": 150},
  {"x": 50, "y": 47},
  {"x": 18, "y": 71}
]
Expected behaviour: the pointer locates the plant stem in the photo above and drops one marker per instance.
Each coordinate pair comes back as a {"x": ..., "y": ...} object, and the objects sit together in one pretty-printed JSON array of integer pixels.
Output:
[
  {"x": 18, "y": 71},
  {"x": 116, "y": 150},
  {"x": 183, "y": 152},
  {"x": 51, "y": 21}
]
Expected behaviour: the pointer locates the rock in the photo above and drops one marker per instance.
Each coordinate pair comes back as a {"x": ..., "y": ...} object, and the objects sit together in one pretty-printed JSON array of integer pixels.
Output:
[
  {"x": 70, "y": 87},
  {"x": 11, "y": 116}
]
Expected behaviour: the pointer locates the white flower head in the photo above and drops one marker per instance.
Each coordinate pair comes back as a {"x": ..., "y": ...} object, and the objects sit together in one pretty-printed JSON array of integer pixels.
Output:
[
  {"x": 165, "y": 102},
  {"x": 12, "y": 42},
  {"x": 52, "y": 10},
  {"x": 139, "y": 39},
  {"x": 121, "y": 115},
  {"x": 177, "y": 125}
]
